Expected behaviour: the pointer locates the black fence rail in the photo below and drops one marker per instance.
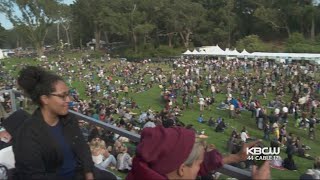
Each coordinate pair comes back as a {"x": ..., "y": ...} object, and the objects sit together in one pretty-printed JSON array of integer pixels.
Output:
[{"x": 227, "y": 170}]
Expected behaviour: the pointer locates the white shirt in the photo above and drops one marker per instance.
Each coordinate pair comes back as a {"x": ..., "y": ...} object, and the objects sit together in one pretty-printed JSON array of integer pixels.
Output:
[
  {"x": 201, "y": 101},
  {"x": 7, "y": 157},
  {"x": 97, "y": 159},
  {"x": 244, "y": 136},
  {"x": 285, "y": 109},
  {"x": 231, "y": 107}
]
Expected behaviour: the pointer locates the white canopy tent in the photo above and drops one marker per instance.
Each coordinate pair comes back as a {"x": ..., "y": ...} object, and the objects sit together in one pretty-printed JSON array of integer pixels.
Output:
[
  {"x": 217, "y": 51},
  {"x": 202, "y": 52},
  {"x": 229, "y": 52},
  {"x": 195, "y": 52},
  {"x": 245, "y": 53},
  {"x": 212, "y": 50},
  {"x": 297, "y": 56},
  {"x": 187, "y": 52}
]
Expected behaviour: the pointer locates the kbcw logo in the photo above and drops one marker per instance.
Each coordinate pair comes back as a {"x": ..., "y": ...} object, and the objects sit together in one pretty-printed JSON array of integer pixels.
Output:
[{"x": 263, "y": 151}]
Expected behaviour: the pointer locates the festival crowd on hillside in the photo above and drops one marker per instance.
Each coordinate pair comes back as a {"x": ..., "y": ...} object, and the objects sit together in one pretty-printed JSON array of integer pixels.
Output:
[{"x": 292, "y": 92}]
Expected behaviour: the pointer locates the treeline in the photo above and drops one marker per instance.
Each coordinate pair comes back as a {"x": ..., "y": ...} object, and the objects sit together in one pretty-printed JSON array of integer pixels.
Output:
[{"x": 164, "y": 26}]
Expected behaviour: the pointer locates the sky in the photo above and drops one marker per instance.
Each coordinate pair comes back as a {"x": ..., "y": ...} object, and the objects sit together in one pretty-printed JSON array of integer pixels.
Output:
[{"x": 7, "y": 24}]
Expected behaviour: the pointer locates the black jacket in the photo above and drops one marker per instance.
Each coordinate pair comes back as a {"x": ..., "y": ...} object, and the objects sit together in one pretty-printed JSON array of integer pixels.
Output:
[
  {"x": 37, "y": 153},
  {"x": 14, "y": 121}
]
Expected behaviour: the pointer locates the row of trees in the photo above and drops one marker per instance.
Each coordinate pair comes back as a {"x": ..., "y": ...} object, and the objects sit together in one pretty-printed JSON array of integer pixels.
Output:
[{"x": 149, "y": 24}]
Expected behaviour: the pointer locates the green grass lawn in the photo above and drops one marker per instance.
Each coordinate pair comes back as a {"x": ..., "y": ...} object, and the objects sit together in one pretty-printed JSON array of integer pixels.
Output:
[
  {"x": 220, "y": 139},
  {"x": 152, "y": 98}
]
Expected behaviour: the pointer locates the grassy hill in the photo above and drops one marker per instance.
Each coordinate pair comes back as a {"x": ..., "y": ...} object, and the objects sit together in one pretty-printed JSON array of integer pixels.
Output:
[{"x": 152, "y": 98}]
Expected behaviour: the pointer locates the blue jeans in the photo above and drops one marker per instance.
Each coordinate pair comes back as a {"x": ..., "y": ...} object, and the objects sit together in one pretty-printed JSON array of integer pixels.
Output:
[{"x": 110, "y": 160}]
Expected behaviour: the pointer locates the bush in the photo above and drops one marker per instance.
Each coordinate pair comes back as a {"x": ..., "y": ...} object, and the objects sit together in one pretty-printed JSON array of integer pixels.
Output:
[
  {"x": 252, "y": 43},
  {"x": 296, "y": 43},
  {"x": 165, "y": 51},
  {"x": 96, "y": 54},
  {"x": 296, "y": 38}
]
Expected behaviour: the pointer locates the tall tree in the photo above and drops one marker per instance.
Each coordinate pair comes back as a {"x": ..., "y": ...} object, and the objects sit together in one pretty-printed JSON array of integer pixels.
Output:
[
  {"x": 230, "y": 19},
  {"x": 100, "y": 15},
  {"x": 65, "y": 18},
  {"x": 167, "y": 21},
  {"x": 36, "y": 17},
  {"x": 190, "y": 15},
  {"x": 3, "y": 36}
]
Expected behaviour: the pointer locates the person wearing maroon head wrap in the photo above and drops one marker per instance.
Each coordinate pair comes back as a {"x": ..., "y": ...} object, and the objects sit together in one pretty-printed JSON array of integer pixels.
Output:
[{"x": 162, "y": 152}]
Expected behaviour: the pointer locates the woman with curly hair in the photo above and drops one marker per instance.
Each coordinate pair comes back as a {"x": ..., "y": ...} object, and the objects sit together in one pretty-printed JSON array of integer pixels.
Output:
[{"x": 49, "y": 145}]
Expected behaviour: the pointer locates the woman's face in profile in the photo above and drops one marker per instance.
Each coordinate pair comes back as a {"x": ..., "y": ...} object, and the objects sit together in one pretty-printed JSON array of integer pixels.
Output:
[
  {"x": 59, "y": 99},
  {"x": 191, "y": 172}
]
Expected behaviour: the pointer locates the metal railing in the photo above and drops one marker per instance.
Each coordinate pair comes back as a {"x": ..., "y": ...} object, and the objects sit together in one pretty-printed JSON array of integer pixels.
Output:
[
  {"x": 132, "y": 136},
  {"x": 227, "y": 170}
]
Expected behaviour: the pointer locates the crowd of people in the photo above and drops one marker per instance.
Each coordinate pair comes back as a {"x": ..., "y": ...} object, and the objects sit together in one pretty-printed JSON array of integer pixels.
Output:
[{"x": 189, "y": 84}]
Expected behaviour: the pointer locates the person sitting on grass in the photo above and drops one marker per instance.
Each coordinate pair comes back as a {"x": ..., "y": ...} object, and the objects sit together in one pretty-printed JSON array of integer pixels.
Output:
[
  {"x": 244, "y": 134},
  {"x": 223, "y": 106},
  {"x": 100, "y": 154},
  {"x": 211, "y": 122},
  {"x": 221, "y": 126},
  {"x": 277, "y": 163},
  {"x": 301, "y": 149},
  {"x": 313, "y": 173},
  {"x": 200, "y": 119},
  {"x": 124, "y": 160},
  {"x": 233, "y": 143},
  {"x": 289, "y": 164}
]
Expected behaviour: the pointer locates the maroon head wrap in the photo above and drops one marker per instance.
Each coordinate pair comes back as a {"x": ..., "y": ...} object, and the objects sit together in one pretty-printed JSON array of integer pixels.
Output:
[{"x": 165, "y": 149}]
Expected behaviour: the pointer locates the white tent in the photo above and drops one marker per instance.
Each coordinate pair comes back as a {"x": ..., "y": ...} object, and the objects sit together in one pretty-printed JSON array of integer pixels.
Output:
[
  {"x": 187, "y": 52},
  {"x": 202, "y": 52},
  {"x": 217, "y": 51},
  {"x": 245, "y": 53},
  {"x": 194, "y": 52},
  {"x": 1, "y": 54},
  {"x": 229, "y": 52},
  {"x": 212, "y": 50},
  {"x": 261, "y": 55}
]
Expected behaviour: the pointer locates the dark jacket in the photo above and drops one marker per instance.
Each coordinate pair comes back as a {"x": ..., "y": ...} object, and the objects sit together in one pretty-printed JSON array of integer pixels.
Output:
[
  {"x": 37, "y": 153},
  {"x": 13, "y": 122}
]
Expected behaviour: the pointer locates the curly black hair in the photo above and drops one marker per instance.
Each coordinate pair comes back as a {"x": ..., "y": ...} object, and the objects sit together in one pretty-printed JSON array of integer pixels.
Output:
[{"x": 36, "y": 82}]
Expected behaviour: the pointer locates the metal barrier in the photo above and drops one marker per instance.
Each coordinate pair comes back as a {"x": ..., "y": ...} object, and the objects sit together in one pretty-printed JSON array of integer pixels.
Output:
[
  {"x": 132, "y": 136},
  {"x": 227, "y": 170}
]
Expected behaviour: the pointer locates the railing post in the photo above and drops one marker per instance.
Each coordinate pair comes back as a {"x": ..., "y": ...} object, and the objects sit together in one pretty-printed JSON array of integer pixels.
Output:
[{"x": 13, "y": 101}]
